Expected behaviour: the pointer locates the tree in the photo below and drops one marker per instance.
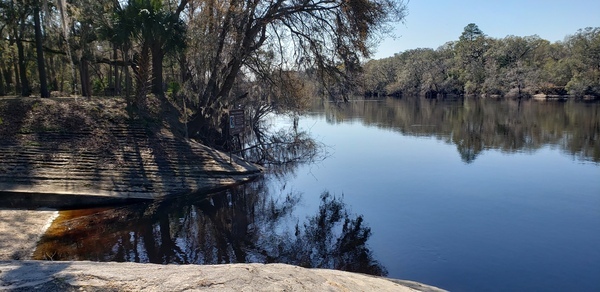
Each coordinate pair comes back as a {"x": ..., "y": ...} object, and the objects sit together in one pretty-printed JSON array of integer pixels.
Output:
[
  {"x": 168, "y": 35},
  {"x": 585, "y": 49},
  {"x": 4, "y": 81},
  {"x": 16, "y": 16},
  {"x": 471, "y": 33},
  {"x": 410, "y": 77},
  {"x": 470, "y": 48},
  {"x": 513, "y": 64},
  {"x": 378, "y": 74},
  {"x": 39, "y": 50},
  {"x": 151, "y": 30},
  {"x": 226, "y": 35},
  {"x": 448, "y": 70}
]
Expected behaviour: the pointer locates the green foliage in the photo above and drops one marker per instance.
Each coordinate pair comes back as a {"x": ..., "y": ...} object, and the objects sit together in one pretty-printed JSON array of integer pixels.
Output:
[
  {"x": 584, "y": 84},
  {"x": 471, "y": 33},
  {"x": 475, "y": 64},
  {"x": 173, "y": 88},
  {"x": 585, "y": 45},
  {"x": 98, "y": 87}
]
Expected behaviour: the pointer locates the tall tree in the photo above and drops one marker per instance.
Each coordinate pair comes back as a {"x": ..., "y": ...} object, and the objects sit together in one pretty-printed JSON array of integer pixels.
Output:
[
  {"x": 40, "y": 50},
  {"x": 3, "y": 49},
  {"x": 152, "y": 30},
  {"x": 470, "y": 49},
  {"x": 17, "y": 14},
  {"x": 168, "y": 35}
]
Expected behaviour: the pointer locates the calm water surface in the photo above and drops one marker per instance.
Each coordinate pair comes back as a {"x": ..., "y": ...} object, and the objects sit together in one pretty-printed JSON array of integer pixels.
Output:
[{"x": 465, "y": 195}]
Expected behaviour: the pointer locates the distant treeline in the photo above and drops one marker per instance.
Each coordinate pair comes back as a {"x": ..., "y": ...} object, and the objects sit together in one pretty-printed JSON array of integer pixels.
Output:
[{"x": 479, "y": 65}]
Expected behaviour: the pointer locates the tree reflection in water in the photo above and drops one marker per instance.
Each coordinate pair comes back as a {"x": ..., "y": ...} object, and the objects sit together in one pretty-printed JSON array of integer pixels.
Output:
[
  {"x": 319, "y": 246},
  {"x": 247, "y": 223},
  {"x": 475, "y": 125}
]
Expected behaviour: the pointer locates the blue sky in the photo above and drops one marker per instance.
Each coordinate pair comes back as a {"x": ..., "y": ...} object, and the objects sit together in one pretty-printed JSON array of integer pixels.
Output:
[{"x": 430, "y": 23}]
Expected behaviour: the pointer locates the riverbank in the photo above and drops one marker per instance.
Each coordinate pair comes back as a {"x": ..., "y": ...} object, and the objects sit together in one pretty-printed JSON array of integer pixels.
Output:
[{"x": 21, "y": 229}]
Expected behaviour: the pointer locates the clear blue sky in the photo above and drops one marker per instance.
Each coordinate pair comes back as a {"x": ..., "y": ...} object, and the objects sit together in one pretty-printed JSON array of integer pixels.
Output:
[{"x": 430, "y": 24}]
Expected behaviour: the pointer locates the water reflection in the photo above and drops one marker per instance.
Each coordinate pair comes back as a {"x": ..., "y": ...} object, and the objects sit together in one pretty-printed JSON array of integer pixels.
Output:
[
  {"x": 474, "y": 125},
  {"x": 243, "y": 224}
]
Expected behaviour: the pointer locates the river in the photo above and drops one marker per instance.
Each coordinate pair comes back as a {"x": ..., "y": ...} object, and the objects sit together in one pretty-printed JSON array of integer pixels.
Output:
[{"x": 466, "y": 195}]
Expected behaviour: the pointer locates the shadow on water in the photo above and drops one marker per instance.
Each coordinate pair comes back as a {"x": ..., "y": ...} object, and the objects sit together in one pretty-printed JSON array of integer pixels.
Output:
[
  {"x": 33, "y": 201},
  {"x": 242, "y": 224}
]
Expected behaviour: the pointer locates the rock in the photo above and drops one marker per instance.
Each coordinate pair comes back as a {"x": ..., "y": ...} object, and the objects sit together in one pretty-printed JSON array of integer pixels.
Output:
[{"x": 92, "y": 276}]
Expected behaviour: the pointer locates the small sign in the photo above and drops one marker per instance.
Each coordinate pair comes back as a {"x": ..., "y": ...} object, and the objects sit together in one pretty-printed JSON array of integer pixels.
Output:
[{"x": 236, "y": 121}]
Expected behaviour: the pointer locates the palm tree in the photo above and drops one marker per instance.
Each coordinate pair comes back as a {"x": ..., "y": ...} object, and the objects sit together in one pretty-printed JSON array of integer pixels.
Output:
[{"x": 147, "y": 28}]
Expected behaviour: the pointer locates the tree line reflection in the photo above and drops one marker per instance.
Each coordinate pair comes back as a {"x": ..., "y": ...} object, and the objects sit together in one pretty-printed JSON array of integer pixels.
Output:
[
  {"x": 474, "y": 125},
  {"x": 243, "y": 224}
]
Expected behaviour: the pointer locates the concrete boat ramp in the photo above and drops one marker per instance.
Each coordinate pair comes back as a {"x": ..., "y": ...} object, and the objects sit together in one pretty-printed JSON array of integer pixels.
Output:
[{"x": 141, "y": 167}]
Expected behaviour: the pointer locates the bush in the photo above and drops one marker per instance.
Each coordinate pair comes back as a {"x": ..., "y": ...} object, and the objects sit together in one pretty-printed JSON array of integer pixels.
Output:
[
  {"x": 173, "y": 88},
  {"x": 584, "y": 84},
  {"x": 97, "y": 87}
]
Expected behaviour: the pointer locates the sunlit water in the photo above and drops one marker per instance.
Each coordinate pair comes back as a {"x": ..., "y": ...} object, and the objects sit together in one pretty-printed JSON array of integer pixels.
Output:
[{"x": 464, "y": 195}]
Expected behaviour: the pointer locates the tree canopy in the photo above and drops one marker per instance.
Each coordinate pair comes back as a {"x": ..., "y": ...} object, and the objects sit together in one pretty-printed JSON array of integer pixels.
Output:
[{"x": 476, "y": 64}]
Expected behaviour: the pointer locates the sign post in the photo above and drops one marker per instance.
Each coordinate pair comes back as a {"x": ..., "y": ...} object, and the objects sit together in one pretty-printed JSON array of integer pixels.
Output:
[
  {"x": 236, "y": 121},
  {"x": 236, "y": 125}
]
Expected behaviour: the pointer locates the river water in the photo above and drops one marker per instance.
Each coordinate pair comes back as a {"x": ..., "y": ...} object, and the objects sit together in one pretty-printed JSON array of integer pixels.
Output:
[{"x": 466, "y": 195}]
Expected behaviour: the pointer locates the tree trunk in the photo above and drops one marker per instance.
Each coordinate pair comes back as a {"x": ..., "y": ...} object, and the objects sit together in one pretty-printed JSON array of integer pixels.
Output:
[
  {"x": 51, "y": 65},
  {"x": 141, "y": 69},
  {"x": 206, "y": 127},
  {"x": 157, "y": 69},
  {"x": 109, "y": 89},
  {"x": 127, "y": 75},
  {"x": 117, "y": 81},
  {"x": 25, "y": 90},
  {"x": 184, "y": 76},
  {"x": 2, "y": 87},
  {"x": 7, "y": 74},
  {"x": 86, "y": 88},
  {"x": 40, "y": 51},
  {"x": 17, "y": 74},
  {"x": 61, "y": 86}
]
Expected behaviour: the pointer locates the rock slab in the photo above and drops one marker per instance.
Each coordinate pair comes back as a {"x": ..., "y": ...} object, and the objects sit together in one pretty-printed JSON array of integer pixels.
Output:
[{"x": 92, "y": 276}]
